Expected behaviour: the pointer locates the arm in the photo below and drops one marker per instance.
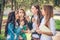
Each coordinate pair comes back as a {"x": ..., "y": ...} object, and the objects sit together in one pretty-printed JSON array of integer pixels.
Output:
[
  {"x": 18, "y": 30},
  {"x": 52, "y": 28},
  {"x": 9, "y": 27},
  {"x": 47, "y": 33},
  {"x": 43, "y": 32}
]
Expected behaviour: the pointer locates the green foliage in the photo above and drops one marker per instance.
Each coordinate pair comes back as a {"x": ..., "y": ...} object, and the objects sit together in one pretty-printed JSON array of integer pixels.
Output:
[
  {"x": 57, "y": 3},
  {"x": 28, "y": 3},
  {"x": 2, "y": 37},
  {"x": 57, "y": 25}
]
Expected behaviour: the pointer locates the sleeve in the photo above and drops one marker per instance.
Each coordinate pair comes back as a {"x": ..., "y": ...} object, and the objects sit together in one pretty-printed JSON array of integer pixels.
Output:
[
  {"x": 24, "y": 27},
  {"x": 9, "y": 27},
  {"x": 18, "y": 31},
  {"x": 52, "y": 26}
]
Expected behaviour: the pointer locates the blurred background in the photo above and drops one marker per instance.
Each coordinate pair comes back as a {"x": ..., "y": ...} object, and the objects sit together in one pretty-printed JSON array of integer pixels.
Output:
[{"x": 8, "y": 5}]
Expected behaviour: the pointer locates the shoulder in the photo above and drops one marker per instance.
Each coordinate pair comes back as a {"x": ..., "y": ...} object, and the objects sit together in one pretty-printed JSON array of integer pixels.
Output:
[
  {"x": 10, "y": 24},
  {"x": 52, "y": 20}
]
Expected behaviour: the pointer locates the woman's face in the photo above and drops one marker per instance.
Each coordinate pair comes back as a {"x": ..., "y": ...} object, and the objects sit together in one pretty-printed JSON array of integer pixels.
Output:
[
  {"x": 21, "y": 13},
  {"x": 34, "y": 10},
  {"x": 17, "y": 15},
  {"x": 43, "y": 12}
]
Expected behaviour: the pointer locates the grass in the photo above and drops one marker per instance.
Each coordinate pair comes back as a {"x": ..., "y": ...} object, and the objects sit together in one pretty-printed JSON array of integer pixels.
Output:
[
  {"x": 2, "y": 37},
  {"x": 57, "y": 25},
  {"x": 4, "y": 17}
]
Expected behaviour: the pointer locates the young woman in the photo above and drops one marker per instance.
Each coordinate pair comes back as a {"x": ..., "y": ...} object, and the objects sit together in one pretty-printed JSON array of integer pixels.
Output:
[
  {"x": 22, "y": 17},
  {"x": 47, "y": 26},
  {"x": 10, "y": 26},
  {"x": 37, "y": 15},
  {"x": 27, "y": 23}
]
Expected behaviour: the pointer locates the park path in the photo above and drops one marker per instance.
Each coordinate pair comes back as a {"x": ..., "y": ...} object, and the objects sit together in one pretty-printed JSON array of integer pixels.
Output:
[{"x": 57, "y": 36}]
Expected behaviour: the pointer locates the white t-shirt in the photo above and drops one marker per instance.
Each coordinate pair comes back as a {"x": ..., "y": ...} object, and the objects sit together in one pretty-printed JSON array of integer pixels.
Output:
[{"x": 51, "y": 27}]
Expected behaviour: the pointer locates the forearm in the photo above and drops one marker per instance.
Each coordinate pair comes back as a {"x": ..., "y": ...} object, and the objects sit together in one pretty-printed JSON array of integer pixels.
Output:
[
  {"x": 43, "y": 32},
  {"x": 48, "y": 33}
]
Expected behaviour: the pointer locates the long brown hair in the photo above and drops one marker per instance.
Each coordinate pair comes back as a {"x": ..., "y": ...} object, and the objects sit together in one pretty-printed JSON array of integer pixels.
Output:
[
  {"x": 49, "y": 13},
  {"x": 39, "y": 11}
]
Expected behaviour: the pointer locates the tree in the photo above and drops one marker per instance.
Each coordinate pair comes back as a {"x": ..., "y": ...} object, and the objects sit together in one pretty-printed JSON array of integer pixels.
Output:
[
  {"x": 2, "y": 4},
  {"x": 0, "y": 18},
  {"x": 56, "y": 2},
  {"x": 11, "y": 4}
]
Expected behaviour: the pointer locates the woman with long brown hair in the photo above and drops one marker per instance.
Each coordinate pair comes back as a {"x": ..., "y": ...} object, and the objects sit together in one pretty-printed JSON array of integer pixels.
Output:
[
  {"x": 36, "y": 20},
  {"x": 47, "y": 26}
]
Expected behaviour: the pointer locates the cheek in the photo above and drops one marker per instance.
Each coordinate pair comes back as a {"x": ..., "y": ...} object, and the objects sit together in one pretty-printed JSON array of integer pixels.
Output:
[
  {"x": 22, "y": 14},
  {"x": 33, "y": 10},
  {"x": 17, "y": 16},
  {"x": 43, "y": 13}
]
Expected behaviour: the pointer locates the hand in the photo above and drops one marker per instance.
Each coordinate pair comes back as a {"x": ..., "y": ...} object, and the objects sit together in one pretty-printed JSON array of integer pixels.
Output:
[
  {"x": 27, "y": 31},
  {"x": 37, "y": 27},
  {"x": 15, "y": 36},
  {"x": 33, "y": 19},
  {"x": 20, "y": 38},
  {"x": 39, "y": 31},
  {"x": 28, "y": 18},
  {"x": 23, "y": 31},
  {"x": 32, "y": 30}
]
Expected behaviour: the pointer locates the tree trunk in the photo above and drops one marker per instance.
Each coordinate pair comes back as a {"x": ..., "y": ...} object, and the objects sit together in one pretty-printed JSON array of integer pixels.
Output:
[
  {"x": 2, "y": 4},
  {"x": 0, "y": 18},
  {"x": 11, "y": 4},
  {"x": 15, "y": 4}
]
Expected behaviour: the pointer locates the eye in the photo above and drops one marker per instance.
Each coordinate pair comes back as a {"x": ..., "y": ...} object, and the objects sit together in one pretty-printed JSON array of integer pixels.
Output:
[{"x": 21, "y": 12}]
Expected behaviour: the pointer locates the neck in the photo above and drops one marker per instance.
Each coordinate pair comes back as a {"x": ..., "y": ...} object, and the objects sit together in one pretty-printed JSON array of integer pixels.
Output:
[{"x": 35, "y": 14}]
